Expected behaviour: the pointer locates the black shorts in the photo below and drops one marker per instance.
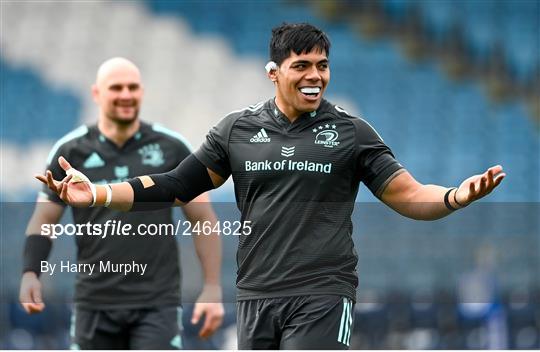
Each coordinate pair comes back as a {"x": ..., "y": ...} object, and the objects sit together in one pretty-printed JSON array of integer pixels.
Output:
[
  {"x": 292, "y": 323},
  {"x": 158, "y": 328}
]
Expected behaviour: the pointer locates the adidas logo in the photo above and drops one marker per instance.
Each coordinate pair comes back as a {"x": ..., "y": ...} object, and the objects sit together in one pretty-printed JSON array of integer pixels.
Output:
[
  {"x": 287, "y": 151},
  {"x": 93, "y": 161},
  {"x": 260, "y": 137}
]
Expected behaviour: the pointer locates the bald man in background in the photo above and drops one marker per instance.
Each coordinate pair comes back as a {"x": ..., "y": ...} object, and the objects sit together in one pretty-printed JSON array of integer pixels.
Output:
[{"x": 115, "y": 309}]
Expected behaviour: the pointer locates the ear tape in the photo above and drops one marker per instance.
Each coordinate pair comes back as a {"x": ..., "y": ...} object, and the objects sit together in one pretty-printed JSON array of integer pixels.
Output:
[{"x": 271, "y": 66}]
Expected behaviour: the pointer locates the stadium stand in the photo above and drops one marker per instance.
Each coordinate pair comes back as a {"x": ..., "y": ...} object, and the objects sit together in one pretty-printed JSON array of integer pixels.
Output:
[{"x": 48, "y": 106}]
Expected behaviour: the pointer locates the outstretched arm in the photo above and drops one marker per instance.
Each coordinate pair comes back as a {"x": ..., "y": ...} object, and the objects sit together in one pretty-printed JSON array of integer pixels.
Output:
[
  {"x": 176, "y": 187},
  {"x": 430, "y": 202}
]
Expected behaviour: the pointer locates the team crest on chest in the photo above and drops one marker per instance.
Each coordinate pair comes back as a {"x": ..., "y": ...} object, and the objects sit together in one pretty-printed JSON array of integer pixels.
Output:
[
  {"x": 151, "y": 155},
  {"x": 121, "y": 172},
  {"x": 326, "y": 135}
]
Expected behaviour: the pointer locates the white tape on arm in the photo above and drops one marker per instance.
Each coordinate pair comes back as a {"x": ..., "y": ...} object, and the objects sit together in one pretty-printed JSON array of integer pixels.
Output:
[
  {"x": 77, "y": 176},
  {"x": 109, "y": 196}
]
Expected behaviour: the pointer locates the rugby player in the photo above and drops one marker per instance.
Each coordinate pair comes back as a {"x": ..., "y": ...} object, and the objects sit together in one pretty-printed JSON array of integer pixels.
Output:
[
  {"x": 296, "y": 161},
  {"x": 113, "y": 309}
]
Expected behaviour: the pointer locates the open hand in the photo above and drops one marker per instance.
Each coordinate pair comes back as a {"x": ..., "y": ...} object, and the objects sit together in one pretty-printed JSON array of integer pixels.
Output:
[
  {"x": 75, "y": 189},
  {"x": 478, "y": 186}
]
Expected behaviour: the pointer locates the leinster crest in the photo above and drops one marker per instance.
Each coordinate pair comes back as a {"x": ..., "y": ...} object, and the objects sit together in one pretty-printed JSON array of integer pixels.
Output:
[
  {"x": 326, "y": 135},
  {"x": 151, "y": 155}
]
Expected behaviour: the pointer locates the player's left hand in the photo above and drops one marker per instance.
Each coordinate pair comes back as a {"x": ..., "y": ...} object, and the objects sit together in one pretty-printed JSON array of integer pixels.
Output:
[
  {"x": 478, "y": 186},
  {"x": 209, "y": 304}
]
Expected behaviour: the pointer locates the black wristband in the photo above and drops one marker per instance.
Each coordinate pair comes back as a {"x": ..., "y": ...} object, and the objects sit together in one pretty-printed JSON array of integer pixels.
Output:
[
  {"x": 447, "y": 201},
  {"x": 458, "y": 203},
  {"x": 36, "y": 249}
]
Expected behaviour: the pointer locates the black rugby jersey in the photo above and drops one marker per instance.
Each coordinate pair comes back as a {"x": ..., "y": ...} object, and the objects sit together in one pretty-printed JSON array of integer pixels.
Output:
[
  {"x": 153, "y": 149},
  {"x": 297, "y": 184}
]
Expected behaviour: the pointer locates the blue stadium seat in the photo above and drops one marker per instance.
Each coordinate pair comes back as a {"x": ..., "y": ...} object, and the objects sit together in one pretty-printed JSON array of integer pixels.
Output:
[{"x": 31, "y": 120}]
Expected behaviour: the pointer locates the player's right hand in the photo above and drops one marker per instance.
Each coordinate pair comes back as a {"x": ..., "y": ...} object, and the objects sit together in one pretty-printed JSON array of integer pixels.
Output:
[
  {"x": 209, "y": 305},
  {"x": 75, "y": 189},
  {"x": 30, "y": 293}
]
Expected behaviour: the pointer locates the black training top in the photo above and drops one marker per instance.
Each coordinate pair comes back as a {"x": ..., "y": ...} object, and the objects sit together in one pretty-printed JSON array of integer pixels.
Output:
[
  {"x": 153, "y": 149},
  {"x": 297, "y": 183}
]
